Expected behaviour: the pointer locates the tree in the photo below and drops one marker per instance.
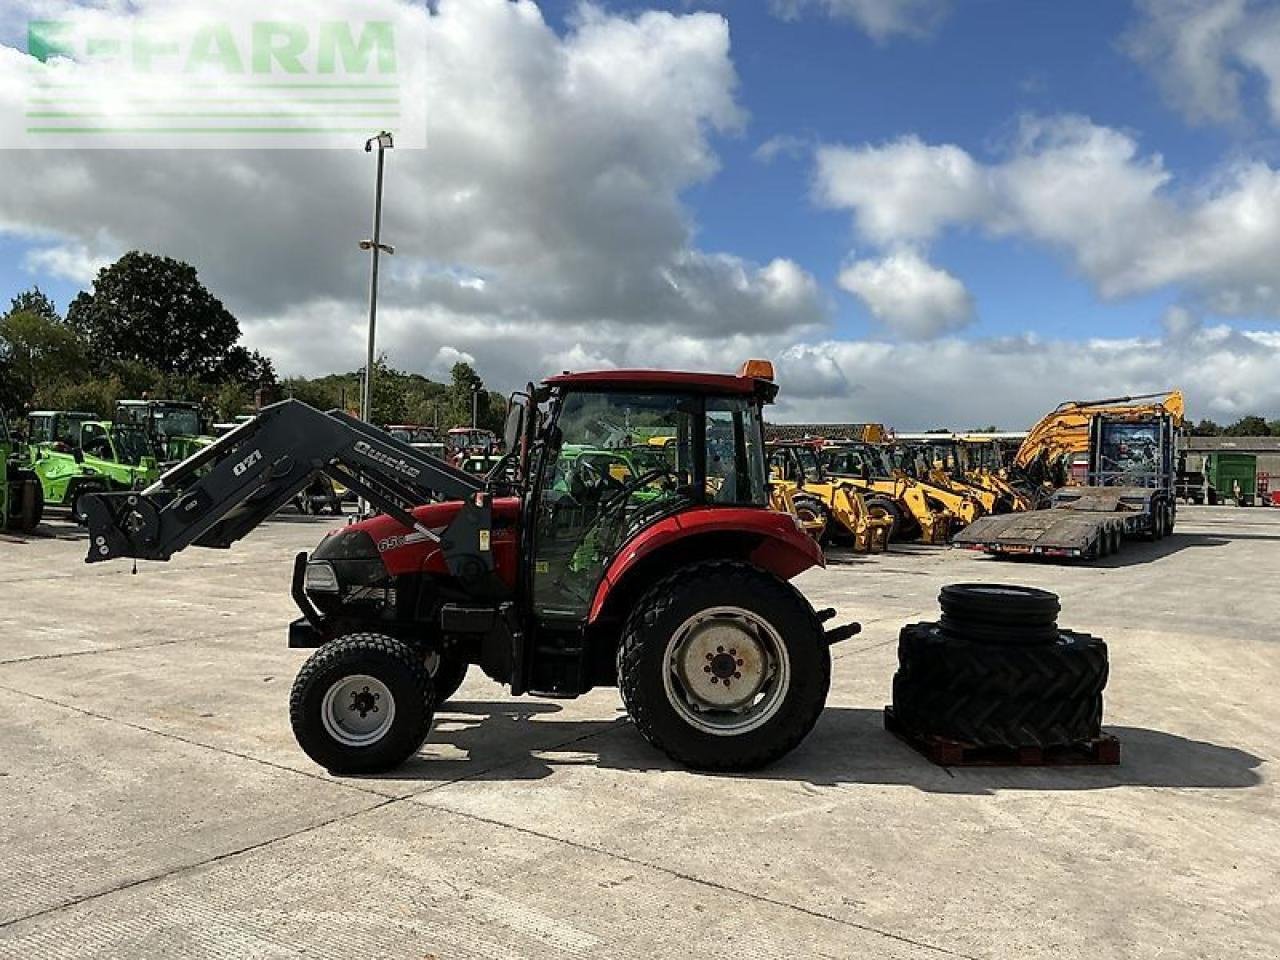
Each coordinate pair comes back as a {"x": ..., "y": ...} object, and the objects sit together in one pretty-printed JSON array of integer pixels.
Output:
[
  {"x": 154, "y": 310},
  {"x": 247, "y": 368},
  {"x": 1206, "y": 428},
  {"x": 1250, "y": 426},
  {"x": 39, "y": 350},
  {"x": 35, "y": 301}
]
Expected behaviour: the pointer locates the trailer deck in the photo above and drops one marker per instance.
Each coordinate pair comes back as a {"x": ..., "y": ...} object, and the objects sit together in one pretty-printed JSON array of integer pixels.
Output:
[{"x": 1076, "y": 524}]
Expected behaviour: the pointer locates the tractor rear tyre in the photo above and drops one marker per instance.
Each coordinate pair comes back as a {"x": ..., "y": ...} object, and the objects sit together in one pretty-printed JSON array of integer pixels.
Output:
[
  {"x": 887, "y": 507},
  {"x": 362, "y": 704},
  {"x": 984, "y": 720},
  {"x": 31, "y": 499},
  {"x": 447, "y": 673},
  {"x": 723, "y": 666},
  {"x": 1074, "y": 666}
]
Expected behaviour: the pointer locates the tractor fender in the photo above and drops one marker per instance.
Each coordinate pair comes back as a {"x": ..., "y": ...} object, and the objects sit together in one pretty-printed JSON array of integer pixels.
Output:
[{"x": 770, "y": 540}]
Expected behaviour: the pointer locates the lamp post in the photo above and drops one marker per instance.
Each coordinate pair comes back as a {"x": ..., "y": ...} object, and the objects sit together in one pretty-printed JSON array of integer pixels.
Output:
[{"x": 384, "y": 143}]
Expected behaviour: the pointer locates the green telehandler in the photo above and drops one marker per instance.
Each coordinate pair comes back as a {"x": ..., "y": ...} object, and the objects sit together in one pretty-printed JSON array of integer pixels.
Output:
[{"x": 74, "y": 454}]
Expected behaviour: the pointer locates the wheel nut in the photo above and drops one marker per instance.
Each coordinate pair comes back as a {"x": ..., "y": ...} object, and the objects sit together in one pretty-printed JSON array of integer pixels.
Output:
[
  {"x": 706, "y": 669},
  {"x": 737, "y": 676}
]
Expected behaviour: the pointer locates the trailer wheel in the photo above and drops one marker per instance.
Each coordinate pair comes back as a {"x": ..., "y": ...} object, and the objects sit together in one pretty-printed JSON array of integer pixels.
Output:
[
  {"x": 362, "y": 704},
  {"x": 1117, "y": 538},
  {"x": 723, "y": 667},
  {"x": 447, "y": 673}
]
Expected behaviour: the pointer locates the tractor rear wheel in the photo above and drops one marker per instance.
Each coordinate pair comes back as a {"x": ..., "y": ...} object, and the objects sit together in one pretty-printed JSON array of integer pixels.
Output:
[
  {"x": 723, "y": 666},
  {"x": 362, "y": 704}
]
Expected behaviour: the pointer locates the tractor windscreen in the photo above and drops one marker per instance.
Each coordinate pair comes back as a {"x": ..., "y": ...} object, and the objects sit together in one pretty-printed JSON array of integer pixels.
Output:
[
  {"x": 176, "y": 421},
  {"x": 130, "y": 442}
]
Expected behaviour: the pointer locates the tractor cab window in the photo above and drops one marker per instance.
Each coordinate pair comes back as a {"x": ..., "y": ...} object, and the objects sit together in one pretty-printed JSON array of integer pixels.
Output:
[
  {"x": 130, "y": 444},
  {"x": 810, "y": 464},
  {"x": 95, "y": 442},
  {"x": 622, "y": 461},
  {"x": 40, "y": 430}
]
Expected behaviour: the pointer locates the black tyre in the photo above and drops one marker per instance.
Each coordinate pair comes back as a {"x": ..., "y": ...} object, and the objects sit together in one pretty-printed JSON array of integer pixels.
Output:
[
  {"x": 1073, "y": 666},
  {"x": 809, "y": 507},
  {"x": 1170, "y": 518},
  {"x": 30, "y": 504},
  {"x": 887, "y": 507},
  {"x": 723, "y": 666},
  {"x": 77, "y": 499},
  {"x": 362, "y": 704},
  {"x": 999, "y": 603},
  {"x": 447, "y": 673},
  {"x": 985, "y": 720}
]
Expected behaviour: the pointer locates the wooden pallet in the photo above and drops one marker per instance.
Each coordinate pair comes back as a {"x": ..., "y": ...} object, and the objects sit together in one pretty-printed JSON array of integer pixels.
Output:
[{"x": 1100, "y": 751}]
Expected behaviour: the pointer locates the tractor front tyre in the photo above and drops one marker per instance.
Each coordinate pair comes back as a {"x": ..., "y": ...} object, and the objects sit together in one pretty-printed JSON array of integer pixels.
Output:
[
  {"x": 31, "y": 510},
  {"x": 447, "y": 673},
  {"x": 885, "y": 507},
  {"x": 362, "y": 704},
  {"x": 723, "y": 667}
]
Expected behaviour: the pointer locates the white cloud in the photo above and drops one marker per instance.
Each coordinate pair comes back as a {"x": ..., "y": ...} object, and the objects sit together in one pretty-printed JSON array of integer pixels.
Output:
[
  {"x": 1084, "y": 190},
  {"x": 909, "y": 295},
  {"x": 880, "y": 19},
  {"x": 903, "y": 190},
  {"x": 1013, "y": 382},
  {"x": 1204, "y": 53},
  {"x": 69, "y": 261},
  {"x": 548, "y": 199}
]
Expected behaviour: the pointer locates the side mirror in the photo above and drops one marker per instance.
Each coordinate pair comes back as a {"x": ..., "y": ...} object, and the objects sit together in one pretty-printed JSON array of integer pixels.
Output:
[{"x": 513, "y": 431}]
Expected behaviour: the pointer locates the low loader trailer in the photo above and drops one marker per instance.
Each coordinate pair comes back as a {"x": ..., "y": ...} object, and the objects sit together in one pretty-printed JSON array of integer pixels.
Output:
[{"x": 1130, "y": 494}]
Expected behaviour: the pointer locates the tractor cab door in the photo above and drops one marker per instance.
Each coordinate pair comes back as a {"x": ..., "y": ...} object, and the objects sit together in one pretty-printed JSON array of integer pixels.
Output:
[{"x": 591, "y": 491}]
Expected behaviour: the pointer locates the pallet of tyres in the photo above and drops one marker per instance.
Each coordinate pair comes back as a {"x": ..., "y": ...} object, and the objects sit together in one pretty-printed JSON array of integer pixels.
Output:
[{"x": 996, "y": 671}]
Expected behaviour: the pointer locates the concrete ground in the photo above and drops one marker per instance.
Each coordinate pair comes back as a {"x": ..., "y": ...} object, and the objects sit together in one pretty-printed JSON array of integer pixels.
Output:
[{"x": 153, "y": 802}]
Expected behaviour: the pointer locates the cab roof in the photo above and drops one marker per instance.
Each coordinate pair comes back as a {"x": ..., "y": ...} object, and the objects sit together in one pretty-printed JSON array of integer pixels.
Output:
[{"x": 665, "y": 380}]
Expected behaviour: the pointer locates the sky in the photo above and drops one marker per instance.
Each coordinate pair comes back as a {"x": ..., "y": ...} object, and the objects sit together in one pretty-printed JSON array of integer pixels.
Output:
[{"x": 926, "y": 212}]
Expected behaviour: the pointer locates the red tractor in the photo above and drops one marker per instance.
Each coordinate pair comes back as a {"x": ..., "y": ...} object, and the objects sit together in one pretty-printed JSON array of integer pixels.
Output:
[{"x": 552, "y": 574}]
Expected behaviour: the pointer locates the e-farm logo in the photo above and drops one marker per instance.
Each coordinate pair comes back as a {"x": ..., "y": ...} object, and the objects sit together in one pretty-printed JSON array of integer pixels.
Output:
[{"x": 272, "y": 82}]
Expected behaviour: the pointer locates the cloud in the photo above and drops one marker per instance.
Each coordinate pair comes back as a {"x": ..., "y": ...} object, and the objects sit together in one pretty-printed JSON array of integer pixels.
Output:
[
  {"x": 1205, "y": 53},
  {"x": 1012, "y": 382},
  {"x": 548, "y": 198},
  {"x": 880, "y": 19},
  {"x": 910, "y": 296},
  {"x": 902, "y": 190},
  {"x": 69, "y": 261},
  {"x": 782, "y": 145},
  {"x": 1085, "y": 191}
]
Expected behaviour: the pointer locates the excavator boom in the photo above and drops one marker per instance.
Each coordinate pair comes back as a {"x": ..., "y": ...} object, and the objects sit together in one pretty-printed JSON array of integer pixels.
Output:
[{"x": 1066, "y": 429}]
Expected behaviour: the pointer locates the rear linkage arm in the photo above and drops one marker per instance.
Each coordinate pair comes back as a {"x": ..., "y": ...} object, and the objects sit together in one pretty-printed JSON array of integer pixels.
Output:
[{"x": 220, "y": 494}]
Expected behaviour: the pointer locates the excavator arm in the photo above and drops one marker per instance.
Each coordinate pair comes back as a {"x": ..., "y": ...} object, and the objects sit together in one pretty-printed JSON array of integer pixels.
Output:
[
  {"x": 224, "y": 491},
  {"x": 1066, "y": 429}
]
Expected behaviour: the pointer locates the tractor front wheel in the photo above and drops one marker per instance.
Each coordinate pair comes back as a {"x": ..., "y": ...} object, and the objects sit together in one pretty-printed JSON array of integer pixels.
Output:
[
  {"x": 362, "y": 704},
  {"x": 723, "y": 667}
]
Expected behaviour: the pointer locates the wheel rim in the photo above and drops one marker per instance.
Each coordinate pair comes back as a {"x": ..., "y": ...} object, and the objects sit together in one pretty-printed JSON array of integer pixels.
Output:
[
  {"x": 358, "y": 710},
  {"x": 726, "y": 671}
]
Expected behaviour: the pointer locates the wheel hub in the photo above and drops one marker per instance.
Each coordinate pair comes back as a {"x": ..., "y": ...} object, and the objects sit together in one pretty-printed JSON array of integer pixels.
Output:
[
  {"x": 357, "y": 710},
  {"x": 727, "y": 670}
]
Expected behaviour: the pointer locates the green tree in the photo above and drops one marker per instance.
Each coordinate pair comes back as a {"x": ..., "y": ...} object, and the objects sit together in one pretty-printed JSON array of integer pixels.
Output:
[
  {"x": 39, "y": 349},
  {"x": 1250, "y": 426},
  {"x": 1206, "y": 428},
  {"x": 35, "y": 301},
  {"x": 154, "y": 310}
]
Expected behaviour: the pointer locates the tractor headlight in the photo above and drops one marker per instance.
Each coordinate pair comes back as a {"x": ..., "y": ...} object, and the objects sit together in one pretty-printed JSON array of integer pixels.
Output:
[{"x": 320, "y": 578}]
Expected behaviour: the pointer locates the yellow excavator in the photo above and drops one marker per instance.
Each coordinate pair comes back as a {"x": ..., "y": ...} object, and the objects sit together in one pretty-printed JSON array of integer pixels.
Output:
[
  {"x": 983, "y": 461},
  {"x": 828, "y": 507},
  {"x": 916, "y": 506},
  {"x": 1061, "y": 437}
]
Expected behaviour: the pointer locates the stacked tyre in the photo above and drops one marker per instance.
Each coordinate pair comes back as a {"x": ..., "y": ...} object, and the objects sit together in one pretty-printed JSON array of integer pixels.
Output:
[{"x": 997, "y": 670}]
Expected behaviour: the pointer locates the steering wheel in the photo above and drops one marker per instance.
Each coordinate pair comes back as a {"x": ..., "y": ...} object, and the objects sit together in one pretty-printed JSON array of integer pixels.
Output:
[{"x": 617, "y": 503}]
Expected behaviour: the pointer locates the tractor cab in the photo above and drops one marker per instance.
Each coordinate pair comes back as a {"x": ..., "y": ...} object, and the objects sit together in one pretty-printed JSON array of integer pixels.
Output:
[{"x": 174, "y": 428}]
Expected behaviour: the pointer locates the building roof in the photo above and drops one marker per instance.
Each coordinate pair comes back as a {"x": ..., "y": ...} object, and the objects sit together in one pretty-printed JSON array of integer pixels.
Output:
[{"x": 1232, "y": 444}]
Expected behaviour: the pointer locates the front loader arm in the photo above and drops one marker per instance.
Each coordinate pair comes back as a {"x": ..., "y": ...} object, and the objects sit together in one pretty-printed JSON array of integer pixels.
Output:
[{"x": 224, "y": 491}]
